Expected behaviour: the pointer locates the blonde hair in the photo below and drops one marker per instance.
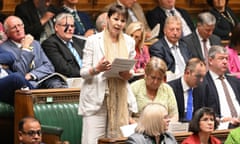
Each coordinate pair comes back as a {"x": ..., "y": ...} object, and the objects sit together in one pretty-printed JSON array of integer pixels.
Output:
[
  {"x": 156, "y": 64},
  {"x": 151, "y": 121},
  {"x": 135, "y": 26}
]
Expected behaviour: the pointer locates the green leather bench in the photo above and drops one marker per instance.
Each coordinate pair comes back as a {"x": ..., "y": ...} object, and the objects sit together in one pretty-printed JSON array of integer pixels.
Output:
[
  {"x": 6, "y": 123},
  {"x": 53, "y": 107}
]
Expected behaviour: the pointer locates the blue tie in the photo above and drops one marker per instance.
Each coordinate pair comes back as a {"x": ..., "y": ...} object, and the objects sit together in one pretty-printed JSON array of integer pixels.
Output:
[
  {"x": 189, "y": 105},
  {"x": 75, "y": 53}
]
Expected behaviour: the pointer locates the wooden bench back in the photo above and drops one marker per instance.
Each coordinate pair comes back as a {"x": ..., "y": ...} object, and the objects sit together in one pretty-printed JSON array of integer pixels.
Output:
[{"x": 25, "y": 100}]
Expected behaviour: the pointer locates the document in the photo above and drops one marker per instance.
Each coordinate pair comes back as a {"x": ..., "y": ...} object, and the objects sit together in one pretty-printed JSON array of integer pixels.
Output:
[
  {"x": 154, "y": 32},
  {"x": 128, "y": 130},
  {"x": 119, "y": 65}
]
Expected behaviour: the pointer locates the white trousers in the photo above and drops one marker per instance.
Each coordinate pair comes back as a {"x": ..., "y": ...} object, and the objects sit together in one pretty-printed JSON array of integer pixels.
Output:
[{"x": 94, "y": 126}]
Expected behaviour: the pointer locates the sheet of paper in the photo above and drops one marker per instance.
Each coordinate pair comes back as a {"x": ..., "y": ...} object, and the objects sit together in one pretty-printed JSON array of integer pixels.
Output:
[
  {"x": 128, "y": 130},
  {"x": 154, "y": 32},
  {"x": 119, "y": 65}
]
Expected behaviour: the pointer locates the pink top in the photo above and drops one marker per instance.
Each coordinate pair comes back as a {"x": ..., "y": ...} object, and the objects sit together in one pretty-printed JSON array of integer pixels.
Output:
[
  {"x": 142, "y": 57},
  {"x": 233, "y": 61}
]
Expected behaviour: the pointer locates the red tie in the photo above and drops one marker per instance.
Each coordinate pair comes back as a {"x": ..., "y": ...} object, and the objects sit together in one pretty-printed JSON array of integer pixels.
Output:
[{"x": 205, "y": 52}]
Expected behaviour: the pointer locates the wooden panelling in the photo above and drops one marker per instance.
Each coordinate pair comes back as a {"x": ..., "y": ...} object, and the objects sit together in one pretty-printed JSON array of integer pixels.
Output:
[{"x": 93, "y": 6}]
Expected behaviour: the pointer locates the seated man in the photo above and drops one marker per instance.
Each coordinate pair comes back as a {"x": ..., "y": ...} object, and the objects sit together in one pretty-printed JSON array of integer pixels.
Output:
[
  {"x": 171, "y": 48},
  {"x": 218, "y": 90},
  {"x": 37, "y": 16},
  {"x": 29, "y": 131},
  {"x": 30, "y": 60},
  {"x": 9, "y": 82},
  {"x": 135, "y": 13},
  {"x": 165, "y": 9},
  {"x": 200, "y": 41},
  {"x": 66, "y": 60},
  {"x": 83, "y": 23},
  {"x": 184, "y": 88}
]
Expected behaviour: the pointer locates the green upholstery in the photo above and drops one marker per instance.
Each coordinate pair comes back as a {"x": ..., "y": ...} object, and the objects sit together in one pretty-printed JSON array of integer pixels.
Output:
[
  {"x": 6, "y": 110},
  {"x": 64, "y": 115}
]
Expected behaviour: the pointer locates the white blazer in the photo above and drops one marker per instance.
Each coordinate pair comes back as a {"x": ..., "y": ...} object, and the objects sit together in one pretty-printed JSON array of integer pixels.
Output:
[{"x": 93, "y": 88}]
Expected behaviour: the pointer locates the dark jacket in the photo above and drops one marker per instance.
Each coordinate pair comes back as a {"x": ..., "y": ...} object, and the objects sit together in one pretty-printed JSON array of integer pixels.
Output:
[
  {"x": 157, "y": 15},
  {"x": 161, "y": 49}
]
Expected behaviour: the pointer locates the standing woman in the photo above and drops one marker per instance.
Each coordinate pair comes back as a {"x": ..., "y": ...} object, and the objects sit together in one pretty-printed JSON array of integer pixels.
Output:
[
  {"x": 225, "y": 17},
  {"x": 202, "y": 125},
  {"x": 103, "y": 101}
]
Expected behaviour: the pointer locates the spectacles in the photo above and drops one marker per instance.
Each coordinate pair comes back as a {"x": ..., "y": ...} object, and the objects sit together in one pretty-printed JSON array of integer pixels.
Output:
[
  {"x": 33, "y": 133},
  {"x": 69, "y": 25},
  {"x": 14, "y": 28}
]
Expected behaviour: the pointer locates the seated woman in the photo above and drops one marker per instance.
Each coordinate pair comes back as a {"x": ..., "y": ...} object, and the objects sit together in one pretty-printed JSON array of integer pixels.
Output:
[
  {"x": 233, "y": 137},
  {"x": 152, "y": 126},
  {"x": 225, "y": 17},
  {"x": 137, "y": 31},
  {"x": 153, "y": 89},
  {"x": 233, "y": 50},
  {"x": 204, "y": 122}
]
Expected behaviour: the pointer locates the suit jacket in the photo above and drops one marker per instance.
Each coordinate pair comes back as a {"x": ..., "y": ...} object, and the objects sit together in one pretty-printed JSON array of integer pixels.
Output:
[
  {"x": 194, "y": 44},
  {"x": 61, "y": 57},
  {"x": 194, "y": 139},
  {"x": 6, "y": 58},
  {"x": 223, "y": 26},
  {"x": 157, "y": 15},
  {"x": 24, "y": 59},
  {"x": 161, "y": 49},
  {"x": 179, "y": 95},
  {"x": 29, "y": 15},
  {"x": 138, "y": 12},
  {"x": 138, "y": 138},
  {"x": 85, "y": 19},
  {"x": 206, "y": 93},
  {"x": 93, "y": 88}
]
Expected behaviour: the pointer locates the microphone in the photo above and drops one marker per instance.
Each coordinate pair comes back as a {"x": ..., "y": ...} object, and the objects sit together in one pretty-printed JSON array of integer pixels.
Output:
[{"x": 67, "y": 26}]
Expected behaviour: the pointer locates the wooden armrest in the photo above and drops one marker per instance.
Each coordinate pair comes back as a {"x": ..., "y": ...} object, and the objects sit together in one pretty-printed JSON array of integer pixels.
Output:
[{"x": 121, "y": 140}]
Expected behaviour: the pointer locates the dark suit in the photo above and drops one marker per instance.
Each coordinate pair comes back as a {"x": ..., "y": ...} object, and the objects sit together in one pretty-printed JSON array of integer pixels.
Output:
[
  {"x": 30, "y": 17},
  {"x": 223, "y": 26},
  {"x": 85, "y": 19},
  {"x": 194, "y": 44},
  {"x": 158, "y": 15},
  {"x": 179, "y": 94},
  {"x": 207, "y": 92},
  {"x": 161, "y": 49},
  {"x": 61, "y": 57}
]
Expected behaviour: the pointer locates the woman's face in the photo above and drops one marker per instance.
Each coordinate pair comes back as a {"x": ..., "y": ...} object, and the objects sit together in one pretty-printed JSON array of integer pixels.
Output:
[
  {"x": 206, "y": 123},
  {"x": 116, "y": 23},
  {"x": 166, "y": 120},
  {"x": 153, "y": 80},
  {"x": 219, "y": 3},
  {"x": 137, "y": 36}
]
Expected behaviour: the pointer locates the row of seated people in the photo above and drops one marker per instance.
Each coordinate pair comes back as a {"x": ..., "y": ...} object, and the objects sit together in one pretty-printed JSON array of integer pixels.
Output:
[
  {"x": 152, "y": 128},
  {"x": 38, "y": 15}
]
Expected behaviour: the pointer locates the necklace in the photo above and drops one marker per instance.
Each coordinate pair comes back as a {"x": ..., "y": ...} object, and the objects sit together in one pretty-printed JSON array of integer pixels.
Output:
[{"x": 228, "y": 17}]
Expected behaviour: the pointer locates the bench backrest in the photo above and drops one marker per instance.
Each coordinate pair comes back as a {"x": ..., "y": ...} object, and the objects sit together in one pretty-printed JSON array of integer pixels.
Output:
[{"x": 56, "y": 107}]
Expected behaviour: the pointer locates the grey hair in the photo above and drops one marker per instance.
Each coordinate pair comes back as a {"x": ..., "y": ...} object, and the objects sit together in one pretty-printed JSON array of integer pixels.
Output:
[
  {"x": 206, "y": 18},
  {"x": 171, "y": 19},
  {"x": 216, "y": 49},
  {"x": 6, "y": 25},
  {"x": 61, "y": 16},
  {"x": 101, "y": 21}
]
